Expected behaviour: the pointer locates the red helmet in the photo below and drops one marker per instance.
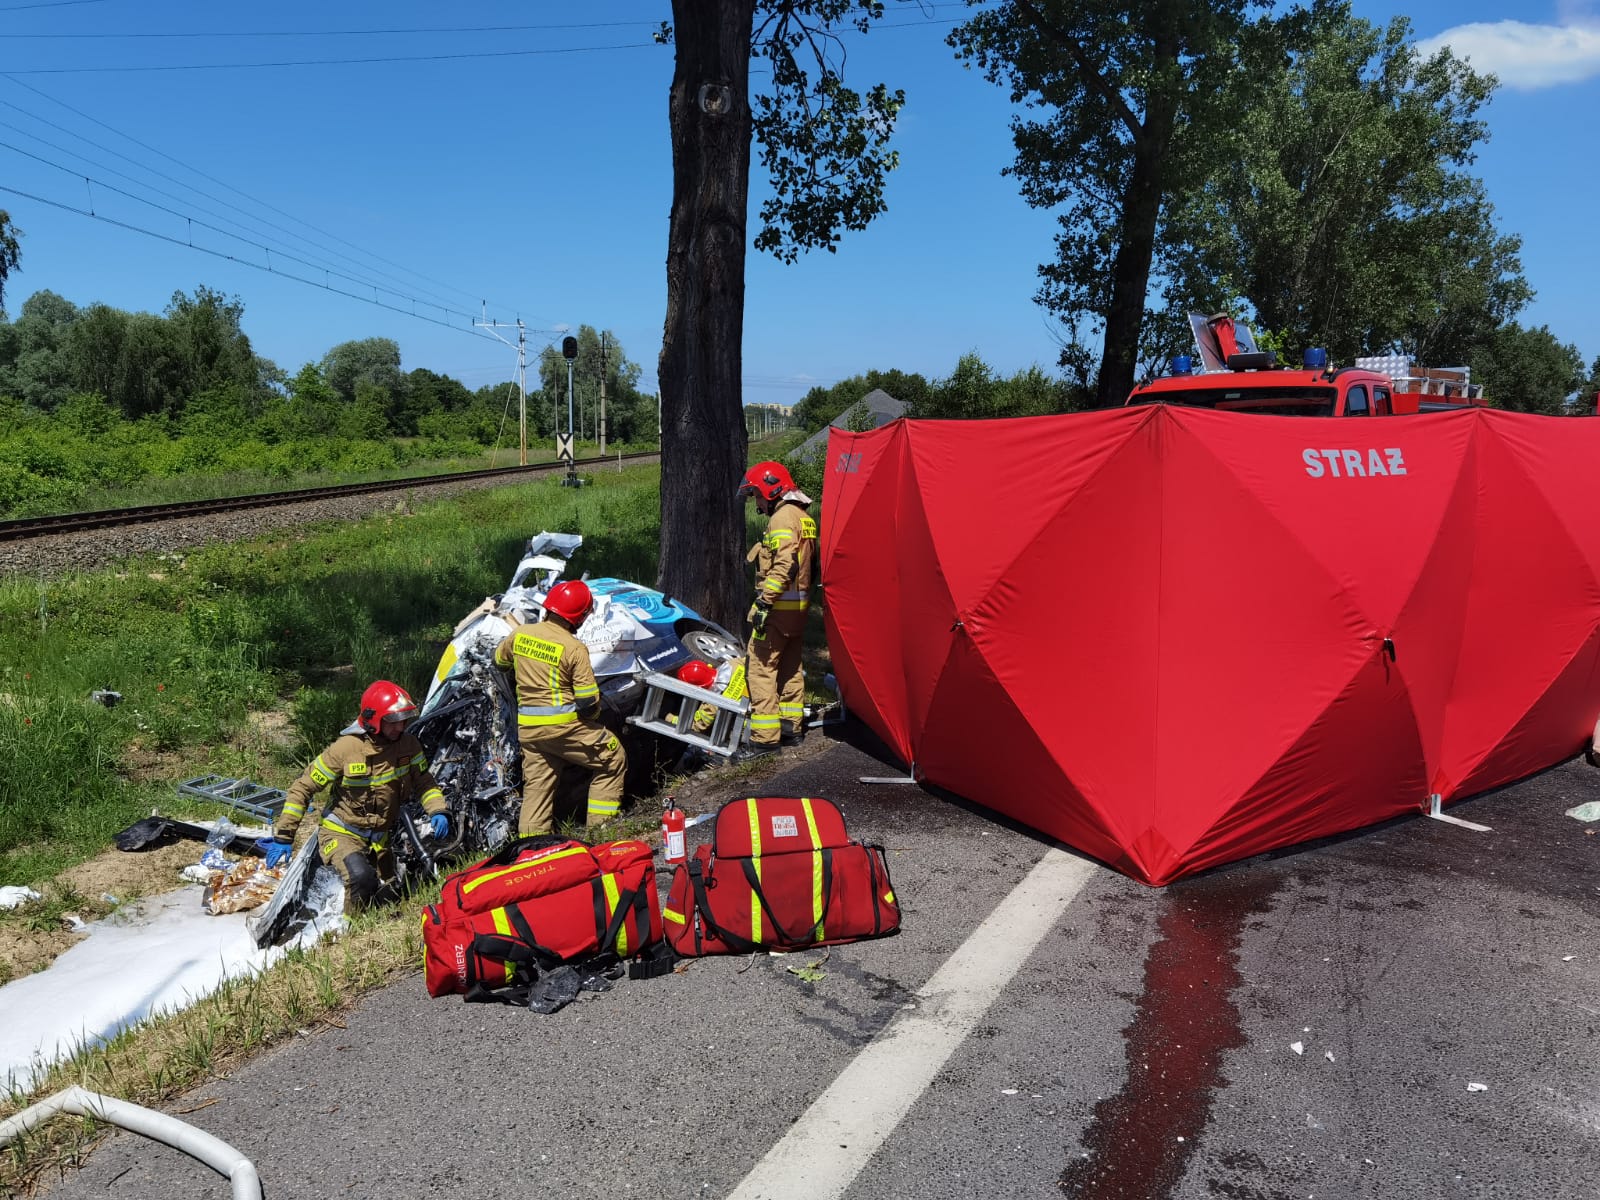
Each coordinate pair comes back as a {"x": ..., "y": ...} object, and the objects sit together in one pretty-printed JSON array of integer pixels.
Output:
[
  {"x": 385, "y": 701},
  {"x": 570, "y": 599},
  {"x": 769, "y": 480},
  {"x": 698, "y": 673}
]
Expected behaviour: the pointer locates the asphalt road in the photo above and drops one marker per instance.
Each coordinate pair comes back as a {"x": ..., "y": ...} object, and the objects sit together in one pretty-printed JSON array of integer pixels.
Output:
[{"x": 1141, "y": 1049}]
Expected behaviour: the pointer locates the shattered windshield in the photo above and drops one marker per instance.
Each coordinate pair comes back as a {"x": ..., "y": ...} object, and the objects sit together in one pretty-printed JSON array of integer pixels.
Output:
[{"x": 1277, "y": 401}]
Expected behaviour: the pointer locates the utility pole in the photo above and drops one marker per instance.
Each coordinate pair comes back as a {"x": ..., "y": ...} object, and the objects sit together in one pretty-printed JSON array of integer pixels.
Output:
[
  {"x": 602, "y": 392},
  {"x": 522, "y": 376}
]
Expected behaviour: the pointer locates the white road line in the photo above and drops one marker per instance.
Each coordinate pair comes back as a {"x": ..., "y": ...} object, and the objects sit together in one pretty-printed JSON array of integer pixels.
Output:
[{"x": 834, "y": 1139}]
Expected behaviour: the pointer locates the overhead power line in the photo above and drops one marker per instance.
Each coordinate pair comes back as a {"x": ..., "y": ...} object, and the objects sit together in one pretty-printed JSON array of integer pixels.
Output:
[
  {"x": 84, "y": 212},
  {"x": 274, "y": 245},
  {"x": 48, "y": 4},
  {"x": 327, "y": 271},
  {"x": 313, "y": 33},
  {"x": 335, "y": 62},
  {"x": 473, "y": 295}
]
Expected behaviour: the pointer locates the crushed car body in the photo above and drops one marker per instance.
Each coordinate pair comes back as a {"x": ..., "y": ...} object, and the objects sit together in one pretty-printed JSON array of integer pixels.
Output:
[{"x": 636, "y": 637}]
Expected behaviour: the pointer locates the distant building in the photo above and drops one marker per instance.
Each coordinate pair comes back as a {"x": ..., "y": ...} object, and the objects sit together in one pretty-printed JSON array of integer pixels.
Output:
[{"x": 877, "y": 404}]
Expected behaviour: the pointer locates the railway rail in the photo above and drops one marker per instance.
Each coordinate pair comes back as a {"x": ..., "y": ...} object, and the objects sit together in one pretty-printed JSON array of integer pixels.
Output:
[{"x": 30, "y": 527}]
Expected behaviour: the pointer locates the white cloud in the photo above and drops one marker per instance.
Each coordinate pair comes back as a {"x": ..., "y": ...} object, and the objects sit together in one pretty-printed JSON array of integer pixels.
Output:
[{"x": 1525, "y": 56}]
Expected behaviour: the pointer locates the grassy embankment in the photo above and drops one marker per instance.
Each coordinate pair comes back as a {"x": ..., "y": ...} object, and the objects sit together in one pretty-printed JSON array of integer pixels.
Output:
[
  {"x": 177, "y": 489},
  {"x": 244, "y": 660}
]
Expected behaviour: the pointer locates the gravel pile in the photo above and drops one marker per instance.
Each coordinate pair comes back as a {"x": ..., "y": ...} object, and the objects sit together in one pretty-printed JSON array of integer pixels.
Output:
[{"x": 60, "y": 553}]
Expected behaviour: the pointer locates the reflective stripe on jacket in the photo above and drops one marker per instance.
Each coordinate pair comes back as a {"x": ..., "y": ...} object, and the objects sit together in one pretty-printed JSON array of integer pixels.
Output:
[
  {"x": 784, "y": 559},
  {"x": 370, "y": 779}
]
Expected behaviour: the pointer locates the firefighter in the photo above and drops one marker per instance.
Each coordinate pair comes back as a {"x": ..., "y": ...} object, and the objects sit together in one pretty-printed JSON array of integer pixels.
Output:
[
  {"x": 783, "y": 559},
  {"x": 558, "y": 710},
  {"x": 374, "y": 767}
]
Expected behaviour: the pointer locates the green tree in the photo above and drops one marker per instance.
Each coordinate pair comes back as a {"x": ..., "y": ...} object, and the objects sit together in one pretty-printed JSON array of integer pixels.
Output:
[
  {"x": 1135, "y": 96},
  {"x": 973, "y": 391},
  {"x": 824, "y": 148},
  {"x": 374, "y": 362},
  {"x": 600, "y": 355},
  {"x": 207, "y": 336},
  {"x": 10, "y": 254},
  {"x": 1343, "y": 212},
  {"x": 821, "y": 405},
  {"x": 34, "y": 370},
  {"x": 1529, "y": 370}
]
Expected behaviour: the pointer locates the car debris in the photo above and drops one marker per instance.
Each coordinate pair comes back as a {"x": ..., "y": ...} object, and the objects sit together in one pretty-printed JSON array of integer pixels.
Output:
[
  {"x": 635, "y": 635},
  {"x": 16, "y": 897}
]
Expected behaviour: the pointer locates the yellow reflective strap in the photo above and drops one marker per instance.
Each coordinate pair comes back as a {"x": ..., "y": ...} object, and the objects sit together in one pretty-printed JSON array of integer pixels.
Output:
[
  {"x": 888, "y": 897},
  {"x": 522, "y": 866},
  {"x": 320, "y": 774},
  {"x": 676, "y": 918},
  {"x": 816, "y": 868},
  {"x": 502, "y": 923},
  {"x": 609, "y": 882},
  {"x": 432, "y": 794},
  {"x": 755, "y": 856}
]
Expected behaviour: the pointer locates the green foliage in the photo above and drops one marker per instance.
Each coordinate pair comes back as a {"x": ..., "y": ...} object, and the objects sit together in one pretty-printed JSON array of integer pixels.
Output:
[
  {"x": 10, "y": 254},
  {"x": 973, "y": 391},
  {"x": 1530, "y": 371},
  {"x": 630, "y": 413},
  {"x": 1343, "y": 210},
  {"x": 821, "y": 405},
  {"x": 1133, "y": 101},
  {"x": 824, "y": 146},
  {"x": 197, "y": 644}
]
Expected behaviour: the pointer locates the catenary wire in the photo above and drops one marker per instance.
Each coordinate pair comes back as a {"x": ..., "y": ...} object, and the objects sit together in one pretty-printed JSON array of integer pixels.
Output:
[
  {"x": 239, "y": 192},
  {"x": 128, "y": 225},
  {"x": 275, "y": 246}
]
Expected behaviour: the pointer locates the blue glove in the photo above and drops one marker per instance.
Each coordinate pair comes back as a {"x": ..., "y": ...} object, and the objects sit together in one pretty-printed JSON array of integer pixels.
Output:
[
  {"x": 274, "y": 851},
  {"x": 441, "y": 825}
]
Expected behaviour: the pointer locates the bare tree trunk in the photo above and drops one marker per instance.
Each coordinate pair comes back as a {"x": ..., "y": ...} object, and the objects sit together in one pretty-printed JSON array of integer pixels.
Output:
[
  {"x": 703, "y": 434},
  {"x": 1141, "y": 210}
]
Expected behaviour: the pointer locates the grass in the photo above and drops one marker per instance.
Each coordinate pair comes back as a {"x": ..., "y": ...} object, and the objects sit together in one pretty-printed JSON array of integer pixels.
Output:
[
  {"x": 297, "y": 623},
  {"x": 197, "y": 645},
  {"x": 166, "y": 1056}
]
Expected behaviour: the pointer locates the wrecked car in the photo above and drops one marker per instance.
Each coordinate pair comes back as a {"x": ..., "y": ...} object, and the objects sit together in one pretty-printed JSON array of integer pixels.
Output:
[{"x": 637, "y": 638}]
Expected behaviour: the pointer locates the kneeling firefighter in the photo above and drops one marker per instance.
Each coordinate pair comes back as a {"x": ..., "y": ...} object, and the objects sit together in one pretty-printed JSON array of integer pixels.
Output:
[
  {"x": 558, "y": 710},
  {"x": 374, "y": 767}
]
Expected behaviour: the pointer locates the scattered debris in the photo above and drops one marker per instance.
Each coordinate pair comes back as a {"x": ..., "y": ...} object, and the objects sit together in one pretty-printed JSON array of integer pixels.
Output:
[
  {"x": 1586, "y": 812},
  {"x": 809, "y": 972},
  {"x": 110, "y": 899},
  {"x": 196, "y": 873},
  {"x": 1008, "y": 1091},
  {"x": 1298, "y": 1047},
  {"x": 1477, "y": 1087},
  {"x": 74, "y": 922},
  {"x": 1328, "y": 1054},
  {"x": 106, "y": 696},
  {"x": 232, "y": 890},
  {"x": 1568, "y": 957},
  {"x": 16, "y": 897}
]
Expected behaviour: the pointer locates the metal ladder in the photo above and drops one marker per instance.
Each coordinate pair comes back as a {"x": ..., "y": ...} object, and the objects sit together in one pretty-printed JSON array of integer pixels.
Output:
[
  {"x": 241, "y": 795},
  {"x": 665, "y": 695}
]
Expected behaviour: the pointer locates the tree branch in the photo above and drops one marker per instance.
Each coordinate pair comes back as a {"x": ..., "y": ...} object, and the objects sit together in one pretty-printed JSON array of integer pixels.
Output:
[{"x": 1087, "y": 71}]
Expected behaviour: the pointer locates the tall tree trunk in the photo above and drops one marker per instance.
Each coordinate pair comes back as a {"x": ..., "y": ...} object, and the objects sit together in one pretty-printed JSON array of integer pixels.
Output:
[
  {"x": 703, "y": 434},
  {"x": 1141, "y": 210}
]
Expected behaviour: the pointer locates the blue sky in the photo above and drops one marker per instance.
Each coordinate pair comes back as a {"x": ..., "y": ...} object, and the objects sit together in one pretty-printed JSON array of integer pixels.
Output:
[{"x": 540, "y": 180}]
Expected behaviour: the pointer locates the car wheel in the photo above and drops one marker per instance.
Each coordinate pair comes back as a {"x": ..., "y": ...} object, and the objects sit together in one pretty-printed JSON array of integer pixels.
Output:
[{"x": 711, "y": 646}]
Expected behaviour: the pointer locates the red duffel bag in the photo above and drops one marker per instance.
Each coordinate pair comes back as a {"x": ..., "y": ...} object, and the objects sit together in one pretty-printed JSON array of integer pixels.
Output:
[
  {"x": 537, "y": 903},
  {"x": 781, "y": 874}
]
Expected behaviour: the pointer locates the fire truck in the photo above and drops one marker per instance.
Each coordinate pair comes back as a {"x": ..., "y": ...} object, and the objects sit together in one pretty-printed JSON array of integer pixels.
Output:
[{"x": 1234, "y": 376}]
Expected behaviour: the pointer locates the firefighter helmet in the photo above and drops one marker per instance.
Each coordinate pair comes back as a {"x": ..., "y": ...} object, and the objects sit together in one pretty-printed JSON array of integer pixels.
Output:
[
  {"x": 570, "y": 599},
  {"x": 768, "y": 480},
  {"x": 697, "y": 673},
  {"x": 384, "y": 701}
]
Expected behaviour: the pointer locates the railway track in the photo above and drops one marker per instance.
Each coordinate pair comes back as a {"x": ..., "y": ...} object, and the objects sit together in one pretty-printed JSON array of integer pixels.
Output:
[{"x": 31, "y": 527}]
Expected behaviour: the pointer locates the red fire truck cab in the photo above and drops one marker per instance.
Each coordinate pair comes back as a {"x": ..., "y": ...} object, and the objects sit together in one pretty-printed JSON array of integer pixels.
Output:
[{"x": 1236, "y": 377}]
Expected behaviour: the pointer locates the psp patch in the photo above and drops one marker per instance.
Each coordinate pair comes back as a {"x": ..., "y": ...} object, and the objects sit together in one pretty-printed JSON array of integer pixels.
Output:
[{"x": 785, "y": 827}]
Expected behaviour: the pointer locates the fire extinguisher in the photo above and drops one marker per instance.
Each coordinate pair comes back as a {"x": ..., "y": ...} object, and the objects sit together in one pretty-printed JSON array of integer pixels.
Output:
[{"x": 673, "y": 823}]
